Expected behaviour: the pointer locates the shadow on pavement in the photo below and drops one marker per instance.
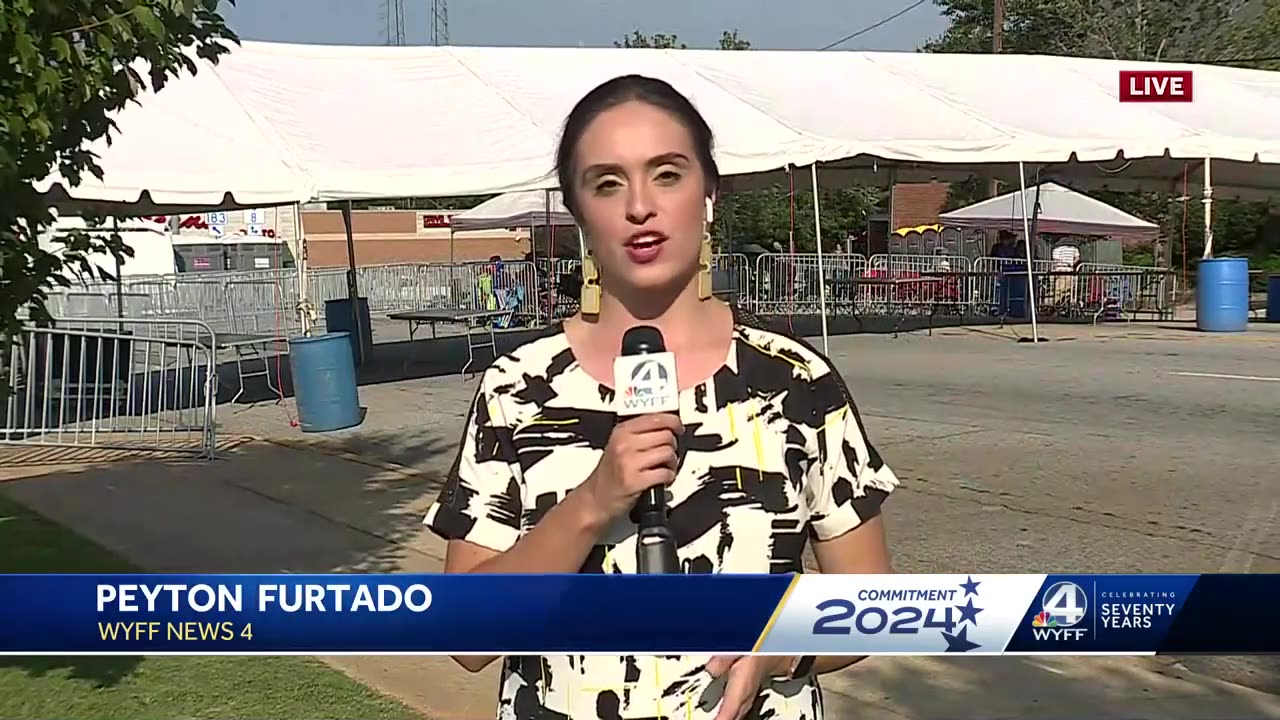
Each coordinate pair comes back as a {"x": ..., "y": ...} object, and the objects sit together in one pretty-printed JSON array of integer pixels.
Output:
[{"x": 258, "y": 508}]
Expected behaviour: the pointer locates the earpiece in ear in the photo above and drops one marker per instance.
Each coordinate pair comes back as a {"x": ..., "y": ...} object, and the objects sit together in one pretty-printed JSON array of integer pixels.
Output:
[{"x": 711, "y": 211}]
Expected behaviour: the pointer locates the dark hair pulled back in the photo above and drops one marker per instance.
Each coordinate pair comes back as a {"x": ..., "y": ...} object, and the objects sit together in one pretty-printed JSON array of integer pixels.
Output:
[{"x": 615, "y": 92}]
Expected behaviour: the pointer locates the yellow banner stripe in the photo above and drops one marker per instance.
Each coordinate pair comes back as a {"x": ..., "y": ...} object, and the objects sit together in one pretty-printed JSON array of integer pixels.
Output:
[{"x": 795, "y": 578}]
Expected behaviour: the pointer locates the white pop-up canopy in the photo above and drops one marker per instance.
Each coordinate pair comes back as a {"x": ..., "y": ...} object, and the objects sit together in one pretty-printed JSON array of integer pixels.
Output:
[
  {"x": 1060, "y": 211},
  {"x": 527, "y": 208}
]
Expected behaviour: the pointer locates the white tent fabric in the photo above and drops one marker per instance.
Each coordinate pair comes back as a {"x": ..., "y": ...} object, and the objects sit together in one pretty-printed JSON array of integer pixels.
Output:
[
  {"x": 192, "y": 146},
  {"x": 430, "y": 121},
  {"x": 527, "y": 208},
  {"x": 469, "y": 120},
  {"x": 274, "y": 122},
  {"x": 1061, "y": 211}
]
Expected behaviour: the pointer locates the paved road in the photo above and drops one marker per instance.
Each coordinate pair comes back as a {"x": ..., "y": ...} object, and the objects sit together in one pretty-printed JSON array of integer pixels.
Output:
[
  {"x": 1082, "y": 455},
  {"x": 1114, "y": 450}
]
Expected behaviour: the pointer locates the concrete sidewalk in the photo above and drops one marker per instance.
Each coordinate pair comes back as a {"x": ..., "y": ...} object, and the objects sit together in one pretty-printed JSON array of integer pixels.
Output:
[{"x": 265, "y": 507}]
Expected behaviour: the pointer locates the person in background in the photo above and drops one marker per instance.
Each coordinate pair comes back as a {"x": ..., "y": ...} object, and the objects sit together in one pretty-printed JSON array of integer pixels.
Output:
[
  {"x": 775, "y": 458},
  {"x": 941, "y": 263},
  {"x": 1065, "y": 258},
  {"x": 1003, "y": 247},
  {"x": 508, "y": 294}
]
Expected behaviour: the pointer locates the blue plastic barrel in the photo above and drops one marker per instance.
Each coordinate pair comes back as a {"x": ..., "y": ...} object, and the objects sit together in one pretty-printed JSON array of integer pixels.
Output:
[
  {"x": 1222, "y": 295},
  {"x": 324, "y": 382},
  {"x": 1273, "y": 299},
  {"x": 337, "y": 319}
]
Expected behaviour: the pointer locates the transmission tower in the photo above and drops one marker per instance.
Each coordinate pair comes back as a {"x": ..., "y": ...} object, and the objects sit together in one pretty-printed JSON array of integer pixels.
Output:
[
  {"x": 394, "y": 13},
  {"x": 439, "y": 22}
]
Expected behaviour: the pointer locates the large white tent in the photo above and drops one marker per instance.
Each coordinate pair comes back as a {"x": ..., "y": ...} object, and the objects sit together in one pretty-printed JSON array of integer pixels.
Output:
[
  {"x": 1060, "y": 211},
  {"x": 276, "y": 123},
  {"x": 527, "y": 208},
  {"x": 191, "y": 146},
  {"x": 281, "y": 123}
]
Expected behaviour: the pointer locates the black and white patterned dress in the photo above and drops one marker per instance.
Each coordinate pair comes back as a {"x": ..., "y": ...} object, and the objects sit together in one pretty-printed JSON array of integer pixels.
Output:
[{"x": 775, "y": 453}]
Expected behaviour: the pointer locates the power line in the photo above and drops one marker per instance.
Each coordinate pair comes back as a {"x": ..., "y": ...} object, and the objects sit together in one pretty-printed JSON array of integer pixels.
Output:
[
  {"x": 1226, "y": 61},
  {"x": 869, "y": 28}
]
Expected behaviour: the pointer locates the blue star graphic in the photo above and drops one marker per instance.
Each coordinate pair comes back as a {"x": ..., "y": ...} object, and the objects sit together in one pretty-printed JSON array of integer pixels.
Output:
[
  {"x": 960, "y": 642},
  {"x": 971, "y": 587},
  {"x": 968, "y": 613}
]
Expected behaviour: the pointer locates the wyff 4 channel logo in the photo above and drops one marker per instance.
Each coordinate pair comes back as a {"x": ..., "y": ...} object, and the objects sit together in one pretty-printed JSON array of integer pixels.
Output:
[
  {"x": 1062, "y": 608},
  {"x": 649, "y": 384}
]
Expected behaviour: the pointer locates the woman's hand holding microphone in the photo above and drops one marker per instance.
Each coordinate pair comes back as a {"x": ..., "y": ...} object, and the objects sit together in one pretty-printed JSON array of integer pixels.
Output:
[{"x": 641, "y": 454}]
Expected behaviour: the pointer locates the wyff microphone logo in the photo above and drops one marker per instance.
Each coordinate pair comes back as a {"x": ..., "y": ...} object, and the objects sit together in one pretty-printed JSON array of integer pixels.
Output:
[
  {"x": 917, "y": 611},
  {"x": 1063, "y": 607},
  {"x": 648, "y": 387}
]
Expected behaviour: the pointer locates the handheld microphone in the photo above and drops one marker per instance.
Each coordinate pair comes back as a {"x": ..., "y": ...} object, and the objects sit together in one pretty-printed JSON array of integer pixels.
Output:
[{"x": 645, "y": 380}]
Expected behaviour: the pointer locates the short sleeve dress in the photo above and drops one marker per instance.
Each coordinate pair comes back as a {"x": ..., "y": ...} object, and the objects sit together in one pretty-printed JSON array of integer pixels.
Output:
[{"x": 776, "y": 453}]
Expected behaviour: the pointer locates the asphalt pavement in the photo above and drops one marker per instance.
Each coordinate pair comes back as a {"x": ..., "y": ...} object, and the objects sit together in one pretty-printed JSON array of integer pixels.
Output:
[{"x": 1136, "y": 448}]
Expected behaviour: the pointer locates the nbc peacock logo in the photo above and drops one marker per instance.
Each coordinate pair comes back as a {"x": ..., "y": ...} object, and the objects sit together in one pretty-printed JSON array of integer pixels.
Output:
[{"x": 1044, "y": 619}]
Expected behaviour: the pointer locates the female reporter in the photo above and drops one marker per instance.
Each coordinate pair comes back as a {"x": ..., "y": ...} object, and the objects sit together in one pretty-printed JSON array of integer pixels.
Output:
[{"x": 547, "y": 474}]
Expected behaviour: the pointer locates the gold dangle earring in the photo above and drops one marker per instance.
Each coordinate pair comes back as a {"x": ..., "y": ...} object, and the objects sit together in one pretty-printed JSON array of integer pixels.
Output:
[
  {"x": 704, "y": 257},
  {"x": 589, "y": 300},
  {"x": 704, "y": 268}
]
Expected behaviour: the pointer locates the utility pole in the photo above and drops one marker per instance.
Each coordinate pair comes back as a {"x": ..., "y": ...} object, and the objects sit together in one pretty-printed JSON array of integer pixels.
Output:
[
  {"x": 997, "y": 27},
  {"x": 439, "y": 22},
  {"x": 997, "y": 45},
  {"x": 395, "y": 21}
]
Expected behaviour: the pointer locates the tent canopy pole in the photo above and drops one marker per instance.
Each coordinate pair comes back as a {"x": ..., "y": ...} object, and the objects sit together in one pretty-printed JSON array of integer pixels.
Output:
[
  {"x": 822, "y": 275},
  {"x": 1026, "y": 234}
]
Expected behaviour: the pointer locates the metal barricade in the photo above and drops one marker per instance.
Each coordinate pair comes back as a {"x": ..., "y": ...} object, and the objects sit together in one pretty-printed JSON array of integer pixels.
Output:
[
  {"x": 1124, "y": 289},
  {"x": 738, "y": 267},
  {"x": 989, "y": 287},
  {"x": 915, "y": 284},
  {"x": 787, "y": 284},
  {"x": 262, "y": 307},
  {"x": 140, "y": 384}
]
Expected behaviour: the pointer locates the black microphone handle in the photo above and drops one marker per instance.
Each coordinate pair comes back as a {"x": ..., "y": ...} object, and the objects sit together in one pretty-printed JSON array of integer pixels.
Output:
[
  {"x": 651, "y": 507},
  {"x": 655, "y": 546}
]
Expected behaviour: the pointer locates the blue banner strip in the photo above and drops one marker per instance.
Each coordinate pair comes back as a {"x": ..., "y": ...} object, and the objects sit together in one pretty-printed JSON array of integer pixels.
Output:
[
  {"x": 1227, "y": 614},
  {"x": 519, "y": 614}
]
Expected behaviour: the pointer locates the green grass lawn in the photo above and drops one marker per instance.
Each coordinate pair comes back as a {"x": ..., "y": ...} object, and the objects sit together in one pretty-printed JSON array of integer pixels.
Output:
[{"x": 157, "y": 687}]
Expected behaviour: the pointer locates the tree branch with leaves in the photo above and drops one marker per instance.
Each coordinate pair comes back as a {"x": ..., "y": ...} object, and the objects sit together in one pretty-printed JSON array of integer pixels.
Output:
[{"x": 74, "y": 64}]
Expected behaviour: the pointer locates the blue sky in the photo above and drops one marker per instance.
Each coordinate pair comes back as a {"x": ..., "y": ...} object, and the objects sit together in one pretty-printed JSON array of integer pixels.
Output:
[{"x": 794, "y": 25}]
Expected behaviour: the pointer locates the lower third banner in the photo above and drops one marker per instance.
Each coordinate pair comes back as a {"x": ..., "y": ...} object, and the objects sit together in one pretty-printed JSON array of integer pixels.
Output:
[{"x": 642, "y": 615}]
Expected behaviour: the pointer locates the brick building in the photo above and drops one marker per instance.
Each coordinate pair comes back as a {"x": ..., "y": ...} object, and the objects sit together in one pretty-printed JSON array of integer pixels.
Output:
[
  {"x": 916, "y": 204},
  {"x": 384, "y": 237}
]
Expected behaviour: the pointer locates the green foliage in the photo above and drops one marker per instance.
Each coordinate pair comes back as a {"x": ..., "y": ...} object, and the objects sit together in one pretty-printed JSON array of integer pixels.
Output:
[
  {"x": 966, "y": 192},
  {"x": 1123, "y": 29},
  {"x": 730, "y": 40},
  {"x": 638, "y": 39},
  {"x": 71, "y": 65},
  {"x": 763, "y": 217},
  {"x": 1254, "y": 32}
]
